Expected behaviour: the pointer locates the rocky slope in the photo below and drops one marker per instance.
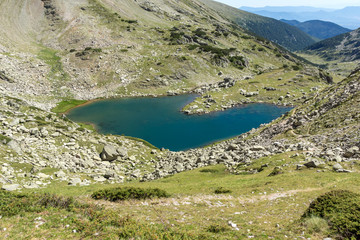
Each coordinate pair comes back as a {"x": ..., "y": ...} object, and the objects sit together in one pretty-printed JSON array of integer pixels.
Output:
[
  {"x": 322, "y": 131},
  {"x": 82, "y": 49},
  {"x": 86, "y": 49},
  {"x": 38, "y": 147}
]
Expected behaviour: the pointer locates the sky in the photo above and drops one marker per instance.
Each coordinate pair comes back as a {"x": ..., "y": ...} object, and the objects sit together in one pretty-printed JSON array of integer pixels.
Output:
[{"x": 312, "y": 3}]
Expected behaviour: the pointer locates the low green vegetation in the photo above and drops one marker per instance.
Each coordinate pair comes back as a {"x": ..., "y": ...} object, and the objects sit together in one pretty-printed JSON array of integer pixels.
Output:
[
  {"x": 66, "y": 105},
  {"x": 340, "y": 209},
  {"x": 146, "y": 143},
  {"x": 4, "y": 139},
  {"x": 51, "y": 58},
  {"x": 221, "y": 190},
  {"x": 87, "y": 52},
  {"x": 73, "y": 220},
  {"x": 126, "y": 193},
  {"x": 261, "y": 206}
]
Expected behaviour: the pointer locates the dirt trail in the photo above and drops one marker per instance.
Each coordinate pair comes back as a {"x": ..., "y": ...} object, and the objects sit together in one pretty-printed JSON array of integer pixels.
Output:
[{"x": 210, "y": 200}]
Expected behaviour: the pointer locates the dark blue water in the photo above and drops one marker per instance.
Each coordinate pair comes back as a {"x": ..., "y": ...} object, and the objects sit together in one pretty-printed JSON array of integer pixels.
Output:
[{"x": 160, "y": 122}]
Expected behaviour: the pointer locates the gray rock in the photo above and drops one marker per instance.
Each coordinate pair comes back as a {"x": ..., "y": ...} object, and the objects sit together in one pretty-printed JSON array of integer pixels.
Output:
[
  {"x": 257, "y": 148},
  {"x": 338, "y": 158},
  {"x": 232, "y": 147},
  {"x": 99, "y": 179},
  {"x": 109, "y": 153},
  {"x": 31, "y": 186},
  {"x": 351, "y": 152},
  {"x": 122, "y": 152},
  {"x": 43, "y": 175},
  {"x": 314, "y": 163},
  {"x": 74, "y": 181},
  {"x": 60, "y": 174},
  {"x": 337, "y": 166},
  {"x": 10, "y": 187},
  {"x": 14, "y": 145}
]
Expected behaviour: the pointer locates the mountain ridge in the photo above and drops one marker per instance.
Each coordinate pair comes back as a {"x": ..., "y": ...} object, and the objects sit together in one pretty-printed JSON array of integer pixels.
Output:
[
  {"x": 317, "y": 28},
  {"x": 346, "y": 17}
]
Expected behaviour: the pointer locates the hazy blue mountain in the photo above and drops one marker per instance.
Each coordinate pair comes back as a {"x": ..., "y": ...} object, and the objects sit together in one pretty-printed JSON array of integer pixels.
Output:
[
  {"x": 348, "y": 17},
  {"x": 318, "y": 29},
  {"x": 286, "y": 9}
]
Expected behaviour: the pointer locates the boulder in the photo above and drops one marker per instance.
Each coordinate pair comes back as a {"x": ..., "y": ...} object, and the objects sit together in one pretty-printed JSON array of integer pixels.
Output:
[
  {"x": 257, "y": 148},
  {"x": 10, "y": 187},
  {"x": 232, "y": 147},
  {"x": 351, "y": 152},
  {"x": 43, "y": 176},
  {"x": 60, "y": 174},
  {"x": 74, "y": 181},
  {"x": 109, "y": 153},
  {"x": 337, "y": 167},
  {"x": 14, "y": 145},
  {"x": 314, "y": 163}
]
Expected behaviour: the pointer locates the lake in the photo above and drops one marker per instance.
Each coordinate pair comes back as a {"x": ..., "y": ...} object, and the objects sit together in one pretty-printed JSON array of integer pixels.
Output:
[{"x": 160, "y": 122}]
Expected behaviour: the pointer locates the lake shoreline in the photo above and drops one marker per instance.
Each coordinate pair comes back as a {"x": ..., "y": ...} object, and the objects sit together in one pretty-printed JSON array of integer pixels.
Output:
[{"x": 160, "y": 121}]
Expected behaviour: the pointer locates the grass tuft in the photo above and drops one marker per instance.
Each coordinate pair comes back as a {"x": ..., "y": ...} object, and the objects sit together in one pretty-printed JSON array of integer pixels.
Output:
[{"x": 126, "y": 193}]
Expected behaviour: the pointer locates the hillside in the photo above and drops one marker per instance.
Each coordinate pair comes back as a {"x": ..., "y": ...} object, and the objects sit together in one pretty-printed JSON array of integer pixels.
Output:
[
  {"x": 347, "y": 17},
  {"x": 279, "y": 169},
  {"x": 269, "y": 28},
  {"x": 318, "y": 29},
  {"x": 64, "y": 180},
  {"x": 61, "y": 50},
  {"x": 344, "y": 48}
]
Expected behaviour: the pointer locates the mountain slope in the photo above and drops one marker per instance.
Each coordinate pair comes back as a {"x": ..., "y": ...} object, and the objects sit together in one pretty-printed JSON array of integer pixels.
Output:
[
  {"x": 318, "y": 29},
  {"x": 276, "y": 31},
  {"x": 59, "y": 50},
  {"x": 342, "y": 48}
]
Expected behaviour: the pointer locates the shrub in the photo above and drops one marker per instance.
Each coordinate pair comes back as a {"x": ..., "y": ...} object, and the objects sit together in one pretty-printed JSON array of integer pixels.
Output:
[
  {"x": 14, "y": 203},
  {"x": 199, "y": 32},
  {"x": 54, "y": 201},
  {"x": 125, "y": 193},
  {"x": 221, "y": 190},
  {"x": 341, "y": 209},
  {"x": 207, "y": 170},
  {"x": 217, "y": 228},
  {"x": 295, "y": 67},
  {"x": 4, "y": 139},
  {"x": 276, "y": 171}
]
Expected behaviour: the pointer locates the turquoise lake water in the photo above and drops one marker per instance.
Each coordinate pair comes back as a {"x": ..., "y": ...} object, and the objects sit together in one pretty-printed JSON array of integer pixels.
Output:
[{"x": 160, "y": 122}]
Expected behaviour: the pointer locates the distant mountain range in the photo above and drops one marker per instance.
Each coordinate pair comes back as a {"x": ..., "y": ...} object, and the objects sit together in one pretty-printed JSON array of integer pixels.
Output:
[
  {"x": 287, "y": 36},
  {"x": 318, "y": 29},
  {"x": 344, "y": 47},
  {"x": 348, "y": 17}
]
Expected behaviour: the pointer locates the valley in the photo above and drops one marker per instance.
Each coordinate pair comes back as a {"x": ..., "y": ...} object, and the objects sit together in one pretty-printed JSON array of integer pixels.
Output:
[{"x": 62, "y": 176}]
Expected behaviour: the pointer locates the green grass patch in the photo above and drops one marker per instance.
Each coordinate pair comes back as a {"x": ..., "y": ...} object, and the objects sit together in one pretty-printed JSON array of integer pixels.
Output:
[
  {"x": 66, "y": 105},
  {"x": 4, "y": 139},
  {"x": 51, "y": 58},
  {"x": 142, "y": 140},
  {"x": 126, "y": 193}
]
